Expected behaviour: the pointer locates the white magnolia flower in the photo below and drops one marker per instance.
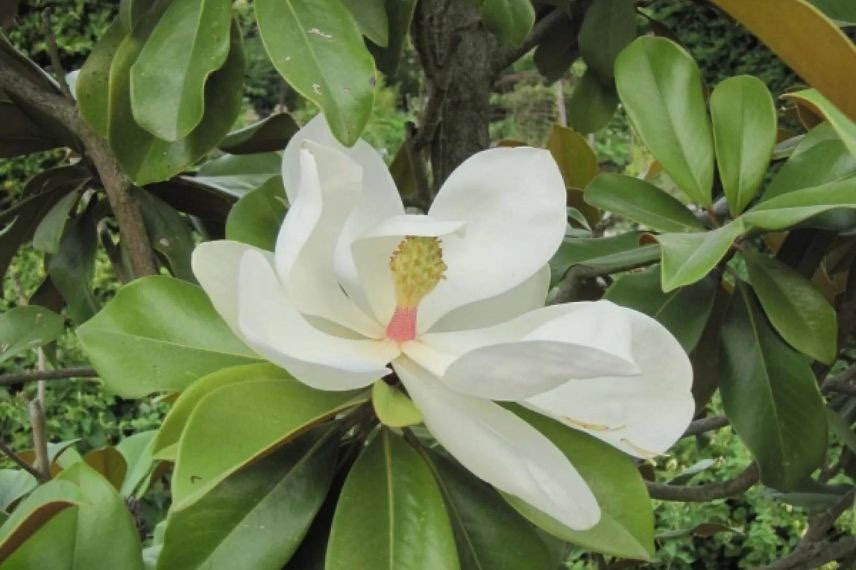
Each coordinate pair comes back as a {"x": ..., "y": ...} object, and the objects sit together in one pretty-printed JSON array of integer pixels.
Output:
[{"x": 453, "y": 302}]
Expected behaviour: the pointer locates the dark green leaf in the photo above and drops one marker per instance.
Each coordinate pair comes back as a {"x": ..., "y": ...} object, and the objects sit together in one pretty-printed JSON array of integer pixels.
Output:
[
  {"x": 558, "y": 49},
  {"x": 27, "y": 328},
  {"x": 744, "y": 129},
  {"x": 167, "y": 317},
  {"x": 609, "y": 26},
  {"x": 371, "y": 17},
  {"x": 770, "y": 396},
  {"x": 189, "y": 42},
  {"x": 688, "y": 257},
  {"x": 795, "y": 207},
  {"x": 268, "y": 135},
  {"x": 391, "y": 513},
  {"x": 92, "y": 85},
  {"x": 489, "y": 533},
  {"x": 169, "y": 233},
  {"x": 798, "y": 311},
  {"x": 684, "y": 311},
  {"x": 237, "y": 175},
  {"x": 660, "y": 86},
  {"x": 399, "y": 14},
  {"x": 257, "y": 517},
  {"x": 592, "y": 104},
  {"x": 257, "y": 217},
  {"x": 146, "y": 158},
  {"x": 72, "y": 268},
  {"x": 642, "y": 202},
  {"x": 19, "y": 134},
  {"x": 49, "y": 232},
  {"x": 194, "y": 197},
  {"x": 820, "y": 157},
  {"x": 841, "y": 10},
  {"x": 626, "y": 527},
  {"x": 317, "y": 47},
  {"x": 248, "y": 420}
]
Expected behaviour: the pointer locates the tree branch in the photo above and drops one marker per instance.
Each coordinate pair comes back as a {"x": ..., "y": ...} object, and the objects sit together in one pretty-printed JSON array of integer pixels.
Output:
[
  {"x": 704, "y": 493},
  {"x": 842, "y": 383},
  {"x": 703, "y": 425},
  {"x": 7, "y": 451},
  {"x": 811, "y": 550},
  {"x": 62, "y": 373},
  {"x": 116, "y": 183},
  {"x": 53, "y": 52},
  {"x": 39, "y": 425}
]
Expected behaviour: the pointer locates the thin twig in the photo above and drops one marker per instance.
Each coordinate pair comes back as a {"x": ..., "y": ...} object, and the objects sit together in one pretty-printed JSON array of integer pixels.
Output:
[
  {"x": 39, "y": 425},
  {"x": 53, "y": 52},
  {"x": 842, "y": 383},
  {"x": 7, "y": 451},
  {"x": 704, "y": 493},
  {"x": 60, "y": 374},
  {"x": 811, "y": 547},
  {"x": 703, "y": 425},
  {"x": 116, "y": 183}
]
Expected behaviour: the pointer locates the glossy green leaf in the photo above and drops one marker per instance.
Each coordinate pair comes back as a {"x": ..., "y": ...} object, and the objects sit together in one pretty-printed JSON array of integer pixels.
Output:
[
  {"x": 48, "y": 234},
  {"x": 268, "y": 135},
  {"x": 661, "y": 89},
  {"x": 626, "y": 527},
  {"x": 257, "y": 517},
  {"x": 689, "y": 257},
  {"x": 819, "y": 158},
  {"x": 74, "y": 538},
  {"x": 797, "y": 310},
  {"x": 92, "y": 85},
  {"x": 592, "y": 104},
  {"x": 236, "y": 175},
  {"x": 683, "y": 311},
  {"x": 488, "y": 531},
  {"x": 14, "y": 484},
  {"x": 391, "y": 513},
  {"x": 257, "y": 217},
  {"x": 399, "y": 14},
  {"x": 392, "y": 406},
  {"x": 132, "y": 11},
  {"x": 792, "y": 208},
  {"x": 173, "y": 425},
  {"x": 842, "y": 124},
  {"x": 247, "y": 420},
  {"x": 27, "y": 328},
  {"x": 609, "y": 26},
  {"x": 744, "y": 133},
  {"x": 189, "y": 43},
  {"x": 770, "y": 396},
  {"x": 34, "y": 514},
  {"x": 318, "y": 48},
  {"x": 510, "y": 20},
  {"x": 167, "y": 317},
  {"x": 641, "y": 202},
  {"x": 169, "y": 233},
  {"x": 137, "y": 451},
  {"x": 72, "y": 268},
  {"x": 581, "y": 251},
  {"x": 146, "y": 158},
  {"x": 372, "y": 19}
]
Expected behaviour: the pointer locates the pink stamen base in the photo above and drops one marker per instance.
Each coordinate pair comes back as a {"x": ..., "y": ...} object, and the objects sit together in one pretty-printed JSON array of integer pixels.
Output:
[{"x": 402, "y": 325}]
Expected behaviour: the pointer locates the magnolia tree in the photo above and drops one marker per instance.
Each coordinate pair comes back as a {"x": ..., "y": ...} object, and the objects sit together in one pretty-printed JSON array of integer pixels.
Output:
[{"x": 468, "y": 360}]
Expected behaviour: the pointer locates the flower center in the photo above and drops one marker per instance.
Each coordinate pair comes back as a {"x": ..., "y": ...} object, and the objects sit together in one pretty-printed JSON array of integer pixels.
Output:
[{"x": 417, "y": 267}]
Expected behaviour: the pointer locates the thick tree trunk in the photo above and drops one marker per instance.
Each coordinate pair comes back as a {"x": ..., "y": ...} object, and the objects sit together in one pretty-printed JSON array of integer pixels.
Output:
[{"x": 465, "y": 120}]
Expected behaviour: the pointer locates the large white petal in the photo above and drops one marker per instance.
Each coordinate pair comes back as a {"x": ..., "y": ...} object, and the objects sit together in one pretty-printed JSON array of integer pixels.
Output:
[
  {"x": 502, "y": 449},
  {"x": 513, "y": 201},
  {"x": 642, "y": 415},
  {"x": 527, "y": 296},
  {"x": 380, "y": 198},
  {"x": 273, "y": 327},
  {"x": 330, "y": 188},
  {"x": 373, "y": 250},
  {"x": 533, "y": 354},
  {"x": 216, "y": 265}
]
